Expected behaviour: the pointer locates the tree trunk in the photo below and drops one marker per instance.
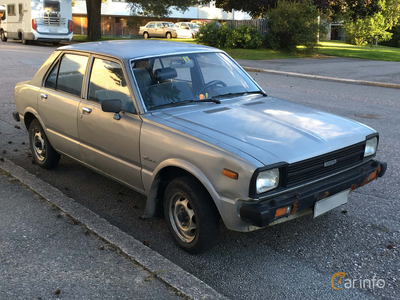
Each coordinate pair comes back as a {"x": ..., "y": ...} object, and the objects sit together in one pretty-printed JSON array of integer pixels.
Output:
[{"x": 93, "y": 8}]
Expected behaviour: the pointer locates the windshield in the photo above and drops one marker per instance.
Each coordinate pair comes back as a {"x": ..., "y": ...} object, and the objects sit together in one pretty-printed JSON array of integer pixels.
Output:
[
  {"x": 193, "y": 26},
  {"x": 195, "y": 76}
]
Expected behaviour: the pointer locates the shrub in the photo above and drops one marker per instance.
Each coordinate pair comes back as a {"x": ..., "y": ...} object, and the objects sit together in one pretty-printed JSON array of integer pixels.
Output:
[
  {"x": 215, "y": 35},
  {"x": 246, "y": 37},
  {"x": 293, "y": 23}
]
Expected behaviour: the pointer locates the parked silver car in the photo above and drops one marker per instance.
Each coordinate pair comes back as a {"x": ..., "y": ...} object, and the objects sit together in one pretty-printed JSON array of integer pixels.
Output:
[
  {"x": 158, "y": 29},
  {"x": 184, "y": 125}
]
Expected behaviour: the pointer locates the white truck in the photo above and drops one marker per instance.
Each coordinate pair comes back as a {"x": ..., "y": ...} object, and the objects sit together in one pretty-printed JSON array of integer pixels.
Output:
[{"x": 36, "y": 20}]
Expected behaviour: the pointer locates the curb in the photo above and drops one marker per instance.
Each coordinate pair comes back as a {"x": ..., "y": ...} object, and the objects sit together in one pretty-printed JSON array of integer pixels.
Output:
[
  {"x": 171, "y": 274},
  {"x": 326, "y": 78}
]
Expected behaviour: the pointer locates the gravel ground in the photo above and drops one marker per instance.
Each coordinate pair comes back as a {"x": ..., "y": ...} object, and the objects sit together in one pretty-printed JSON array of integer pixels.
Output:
[{"x": 291, "y": 260}]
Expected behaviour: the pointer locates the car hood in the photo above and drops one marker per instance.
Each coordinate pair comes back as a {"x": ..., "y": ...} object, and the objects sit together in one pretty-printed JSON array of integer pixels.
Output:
[{"x": 270, "y": 129}]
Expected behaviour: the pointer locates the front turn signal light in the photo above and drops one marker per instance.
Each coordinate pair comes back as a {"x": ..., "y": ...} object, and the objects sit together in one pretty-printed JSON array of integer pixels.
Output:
[{"x": 230, "y": 174}]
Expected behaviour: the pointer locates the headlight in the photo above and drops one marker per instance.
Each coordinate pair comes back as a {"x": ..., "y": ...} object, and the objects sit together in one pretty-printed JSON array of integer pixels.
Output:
[
  {"x": 370, "y": 146},
  {"x": 267, "y": 180}
]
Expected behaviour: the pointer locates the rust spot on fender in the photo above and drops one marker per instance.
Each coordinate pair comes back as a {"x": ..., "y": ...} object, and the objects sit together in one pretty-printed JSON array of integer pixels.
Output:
[
  {"x": 294, "y": 210},
  {"x": 353, "y": 187},
  {"x": 326, "y": 195}
]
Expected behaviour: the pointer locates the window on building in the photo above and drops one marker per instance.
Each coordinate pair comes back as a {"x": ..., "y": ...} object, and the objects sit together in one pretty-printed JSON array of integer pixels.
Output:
[{"x": 11, "y": 10}]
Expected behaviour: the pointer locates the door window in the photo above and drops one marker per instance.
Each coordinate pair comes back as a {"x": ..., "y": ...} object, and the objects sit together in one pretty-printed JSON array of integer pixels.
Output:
[
  {"x": 70, "y": 76},
  {"x": 107, "y": 82},
  {"x": 159, "y": 25},
  {"x": 21, "y": 11}
]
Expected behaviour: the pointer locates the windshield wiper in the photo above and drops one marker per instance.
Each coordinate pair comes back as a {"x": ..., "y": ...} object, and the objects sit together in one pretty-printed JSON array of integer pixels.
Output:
[
  {"x": 238, "y": 94},
  {"x": 188, "y": 101}
]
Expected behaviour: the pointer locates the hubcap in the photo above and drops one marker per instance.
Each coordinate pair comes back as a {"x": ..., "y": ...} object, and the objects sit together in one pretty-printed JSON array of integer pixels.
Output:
[
  {"x": 182, "y": 217},
  {"x": 39, "y": 146}
]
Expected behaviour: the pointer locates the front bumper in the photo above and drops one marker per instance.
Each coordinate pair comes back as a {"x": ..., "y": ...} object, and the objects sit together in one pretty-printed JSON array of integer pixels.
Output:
[{"x": 262, "y": 213}]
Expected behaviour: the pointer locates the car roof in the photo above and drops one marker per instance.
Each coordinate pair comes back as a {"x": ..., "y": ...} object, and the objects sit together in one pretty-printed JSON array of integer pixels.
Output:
[{"x": 132, "y": 49}]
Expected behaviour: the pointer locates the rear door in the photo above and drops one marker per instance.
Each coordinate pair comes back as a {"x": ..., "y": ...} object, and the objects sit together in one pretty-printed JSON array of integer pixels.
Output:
[
  {"x": 59, "y": 102},
  {"x": 109, "y": 144},
  {"x": 159, "y": 32}
]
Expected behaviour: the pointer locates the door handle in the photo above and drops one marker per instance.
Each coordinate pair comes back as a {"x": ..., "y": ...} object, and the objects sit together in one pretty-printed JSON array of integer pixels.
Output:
[
  {"x": 43, "y": 96},
  {"x": 86, "y": 110}
]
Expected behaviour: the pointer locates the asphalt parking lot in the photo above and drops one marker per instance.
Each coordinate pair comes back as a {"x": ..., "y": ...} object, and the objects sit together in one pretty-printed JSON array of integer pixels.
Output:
[{"x": 291, "y": 260}]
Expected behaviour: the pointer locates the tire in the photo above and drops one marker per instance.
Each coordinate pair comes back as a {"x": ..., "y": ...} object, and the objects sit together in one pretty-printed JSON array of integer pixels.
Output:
[
  {"x": 25, "y": 42},
  {"x": 187, "y": 204},
  {"x": 146, "y": 35},
  {"x": 42, "y": 151},
  {"x": 168, "y": 35},
  {"x": 3, "y": 37}
]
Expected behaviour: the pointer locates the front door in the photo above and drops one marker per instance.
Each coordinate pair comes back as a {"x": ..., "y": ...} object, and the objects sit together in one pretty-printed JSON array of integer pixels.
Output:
[
  {"x": 59, "y": 102},
  {"x": 108, "y": 144}
]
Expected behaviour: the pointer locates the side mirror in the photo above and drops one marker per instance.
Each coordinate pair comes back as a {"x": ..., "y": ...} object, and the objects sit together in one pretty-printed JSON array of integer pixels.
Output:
[{"x": 113, "y": 106}]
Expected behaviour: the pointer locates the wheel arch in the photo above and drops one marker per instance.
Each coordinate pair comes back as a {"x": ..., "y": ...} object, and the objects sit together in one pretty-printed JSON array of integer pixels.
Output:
[
  {"x": 29, "y": 115},
  {"x": 168, "y": 171}
]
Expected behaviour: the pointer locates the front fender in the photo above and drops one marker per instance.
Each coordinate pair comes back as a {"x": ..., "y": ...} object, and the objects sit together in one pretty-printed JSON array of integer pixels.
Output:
[{"x": 151, "y": 183}]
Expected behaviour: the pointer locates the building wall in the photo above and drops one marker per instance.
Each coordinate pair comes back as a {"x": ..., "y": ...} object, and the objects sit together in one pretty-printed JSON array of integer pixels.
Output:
[
  {"x": 114, "y": 20},
  {"x": 208, "y": 11}
]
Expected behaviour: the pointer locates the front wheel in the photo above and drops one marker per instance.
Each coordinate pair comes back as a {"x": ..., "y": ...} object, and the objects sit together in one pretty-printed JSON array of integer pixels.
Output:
[
  {"x": 169, "y": 35},
  {"x": 191, "y": 215},
  {"x": 146, "y": 35},
  {"x": 3, "y": 37},
  {"x": 42, "y": 151}
]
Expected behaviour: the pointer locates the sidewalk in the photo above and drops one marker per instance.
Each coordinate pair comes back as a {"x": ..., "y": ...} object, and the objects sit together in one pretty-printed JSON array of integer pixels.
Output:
[
  {"x": 43, "y": 255},
  {"x": 337, "y": 67}
]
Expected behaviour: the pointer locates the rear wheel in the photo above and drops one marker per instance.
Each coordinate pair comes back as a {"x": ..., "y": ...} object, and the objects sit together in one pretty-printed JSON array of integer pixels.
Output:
[
  {"x": 191, "y": 215},
  {"x": 146, "y": 35},
  {"x": 42, "y": 151},
  {"x": 3, "y": 36},
  {"x": 169, "y": 35},
  {"x": 25, "y": 42}
]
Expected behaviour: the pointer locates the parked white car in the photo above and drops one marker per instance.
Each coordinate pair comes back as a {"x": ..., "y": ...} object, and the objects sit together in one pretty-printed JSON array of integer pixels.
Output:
[{"x": 186, "y": 29}]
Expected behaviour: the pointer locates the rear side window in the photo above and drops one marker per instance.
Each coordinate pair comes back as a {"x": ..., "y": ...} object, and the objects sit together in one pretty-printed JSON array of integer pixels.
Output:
[
  {"x": 11, "y": 10},
  {"x": 51, "y": 80},
  {"x": 70, "y": 76}
]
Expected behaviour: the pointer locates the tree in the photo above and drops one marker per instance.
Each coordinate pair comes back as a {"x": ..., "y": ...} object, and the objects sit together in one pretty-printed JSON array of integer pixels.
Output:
[
  {"x": 259, "y": 8},
  {"x": 93, "y": 8},
  {"x": 292, "y": 24},
  {"x": 374, "y": 25},
  {"x": 153, "y": 8}
]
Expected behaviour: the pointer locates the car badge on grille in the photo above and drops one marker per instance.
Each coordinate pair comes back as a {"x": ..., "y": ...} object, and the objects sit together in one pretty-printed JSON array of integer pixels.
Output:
[{"x": 330, "y": 163}]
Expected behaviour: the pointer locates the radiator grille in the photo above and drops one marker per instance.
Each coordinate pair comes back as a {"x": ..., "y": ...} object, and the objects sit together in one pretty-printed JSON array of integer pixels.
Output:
[{"x": 314, "y": 168}]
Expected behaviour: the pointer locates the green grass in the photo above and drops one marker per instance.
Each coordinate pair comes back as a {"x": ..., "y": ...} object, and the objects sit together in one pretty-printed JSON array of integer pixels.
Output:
[
  {"x": 339, "y": 48},
  {"x": 258, "y": 54}
]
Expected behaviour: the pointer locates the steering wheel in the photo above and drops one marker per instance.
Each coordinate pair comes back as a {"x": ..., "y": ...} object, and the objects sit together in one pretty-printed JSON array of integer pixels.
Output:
[{"x": 212, "y": 83}]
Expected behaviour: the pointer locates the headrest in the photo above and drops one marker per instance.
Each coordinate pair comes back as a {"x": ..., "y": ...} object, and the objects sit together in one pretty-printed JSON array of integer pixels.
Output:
[{"x": 165, "y": 73}]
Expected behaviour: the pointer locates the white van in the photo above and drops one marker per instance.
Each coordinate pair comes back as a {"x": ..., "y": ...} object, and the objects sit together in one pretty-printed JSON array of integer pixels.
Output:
[{"x": 36, "y": 20}]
